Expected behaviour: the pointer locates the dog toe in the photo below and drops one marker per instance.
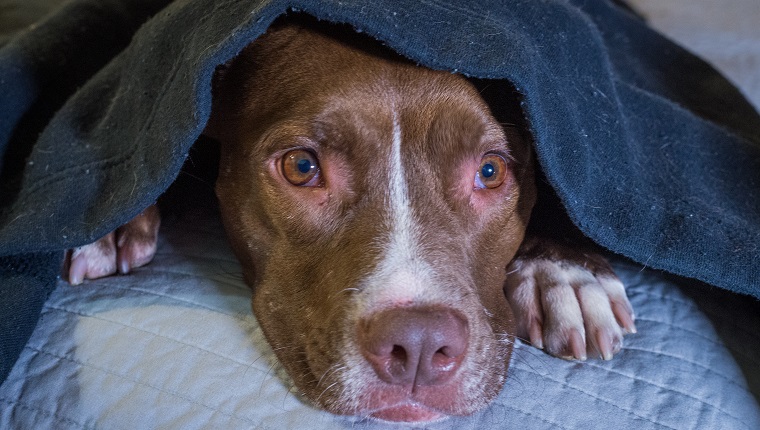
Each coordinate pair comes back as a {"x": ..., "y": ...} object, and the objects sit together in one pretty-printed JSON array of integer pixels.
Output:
[
  {"x": 92, "y": 261},
  {"x": 137, "y": 240},
  {"x": 523, "y": 296}
]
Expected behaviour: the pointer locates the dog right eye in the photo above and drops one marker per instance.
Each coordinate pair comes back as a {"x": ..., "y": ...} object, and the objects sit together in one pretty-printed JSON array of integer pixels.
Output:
[
  {"x": 492, "y": 172},
  {"x": 301, "y": 168}
]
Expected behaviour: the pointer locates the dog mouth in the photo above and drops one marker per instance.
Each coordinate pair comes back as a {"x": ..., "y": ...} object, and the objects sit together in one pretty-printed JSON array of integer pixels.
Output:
[{"x": 409, "y": 412}]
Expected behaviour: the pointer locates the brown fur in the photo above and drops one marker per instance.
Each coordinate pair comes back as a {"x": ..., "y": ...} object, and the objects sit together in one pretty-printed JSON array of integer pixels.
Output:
[{"x": 306, "y": 251}]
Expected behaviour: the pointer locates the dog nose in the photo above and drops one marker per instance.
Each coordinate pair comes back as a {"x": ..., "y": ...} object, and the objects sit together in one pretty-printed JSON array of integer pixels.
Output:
[{"x": 414, "y": 346}]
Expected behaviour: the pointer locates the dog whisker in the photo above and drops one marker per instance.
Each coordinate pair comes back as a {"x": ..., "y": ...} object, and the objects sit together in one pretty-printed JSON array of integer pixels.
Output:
[
  {"x": 284, "y": 347},
  {"x": 326, "y": 389},
  {"x": 335, "y": 368},
  {"x": 252, "y": 363}
]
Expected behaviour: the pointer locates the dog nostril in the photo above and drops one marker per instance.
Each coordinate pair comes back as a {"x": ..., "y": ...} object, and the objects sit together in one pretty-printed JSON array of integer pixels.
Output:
[
  {"x": 419, "y": 346},
  {"x": 398, "y": 353},
  {"x": 398, "y": 363}
]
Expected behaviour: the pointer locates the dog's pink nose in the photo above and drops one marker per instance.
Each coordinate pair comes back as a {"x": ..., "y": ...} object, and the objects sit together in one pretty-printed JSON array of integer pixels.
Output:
[{"x": 415, "y": 346}]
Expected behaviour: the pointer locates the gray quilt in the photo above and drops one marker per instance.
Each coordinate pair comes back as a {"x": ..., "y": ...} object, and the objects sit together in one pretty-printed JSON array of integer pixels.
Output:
[{"x": 175, "y": 346}]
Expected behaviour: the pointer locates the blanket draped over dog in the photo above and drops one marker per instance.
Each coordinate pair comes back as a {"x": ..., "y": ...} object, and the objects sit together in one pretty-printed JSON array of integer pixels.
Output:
[{"x": 653, "y": 154}]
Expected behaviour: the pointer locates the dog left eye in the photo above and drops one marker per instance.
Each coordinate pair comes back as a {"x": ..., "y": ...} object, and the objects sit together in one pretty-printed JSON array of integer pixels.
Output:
[
  {"x": 492, "y": 171},
  {"x": 301, "y": 168}
]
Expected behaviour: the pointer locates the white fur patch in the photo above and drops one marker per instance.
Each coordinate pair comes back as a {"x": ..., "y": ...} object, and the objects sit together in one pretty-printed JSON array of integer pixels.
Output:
[{"x": 403, "y": 275}]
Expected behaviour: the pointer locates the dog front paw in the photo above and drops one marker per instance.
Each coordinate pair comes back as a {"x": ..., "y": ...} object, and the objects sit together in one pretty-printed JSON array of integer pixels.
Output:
[
  {"x": 131, "y": 245},
  {"x": 567, "y": 302}
]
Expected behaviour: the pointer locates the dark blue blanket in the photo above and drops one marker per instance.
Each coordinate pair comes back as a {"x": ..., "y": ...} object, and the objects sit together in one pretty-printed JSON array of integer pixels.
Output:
[{"x": 653, "y": 154}]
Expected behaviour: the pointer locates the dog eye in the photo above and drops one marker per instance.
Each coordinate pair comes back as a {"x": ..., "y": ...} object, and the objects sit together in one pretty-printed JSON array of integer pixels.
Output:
[
  {"x": 300, "y": 167},
  {"x": 492, "y": 171}
]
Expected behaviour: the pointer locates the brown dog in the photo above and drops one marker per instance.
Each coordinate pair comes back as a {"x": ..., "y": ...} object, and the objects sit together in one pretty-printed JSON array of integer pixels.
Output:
[{"x": 374, "y": 206}]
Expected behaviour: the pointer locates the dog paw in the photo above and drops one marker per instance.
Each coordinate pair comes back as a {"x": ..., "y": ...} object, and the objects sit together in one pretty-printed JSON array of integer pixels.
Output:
[
  {"x": 569, "y": 307},
  {"x": 131, "y": 245}
]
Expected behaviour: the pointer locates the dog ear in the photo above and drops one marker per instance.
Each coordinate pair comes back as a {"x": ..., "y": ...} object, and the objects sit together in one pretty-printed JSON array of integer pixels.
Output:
[{"x": 214, "y": 126}]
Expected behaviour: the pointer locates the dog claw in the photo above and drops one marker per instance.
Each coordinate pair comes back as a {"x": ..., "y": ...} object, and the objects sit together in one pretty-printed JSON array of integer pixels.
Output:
[
  {"x": 604, "y": 346},
  {"x": 572, "y": 346},
  {"x": 536, "y": 334},
  {"x": 577, "y": 345},
  {"x": 625, "y": 317},
  {"x": 135, "y": 252},
  {"x": 77, "y": 271},
  {"x": 124, "y": 265}
]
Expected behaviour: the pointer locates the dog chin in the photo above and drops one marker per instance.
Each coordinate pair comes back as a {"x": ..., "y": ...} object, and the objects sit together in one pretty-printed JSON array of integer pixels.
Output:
[{"x": 408, "y": 412}]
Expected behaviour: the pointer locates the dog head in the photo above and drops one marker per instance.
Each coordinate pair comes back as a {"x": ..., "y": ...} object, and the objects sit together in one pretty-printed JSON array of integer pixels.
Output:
[{"x": 374, "y": 206}]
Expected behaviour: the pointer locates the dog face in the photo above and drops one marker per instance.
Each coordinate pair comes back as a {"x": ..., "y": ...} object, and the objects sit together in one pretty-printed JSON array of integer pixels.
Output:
[{"x": 374, "y": 206}]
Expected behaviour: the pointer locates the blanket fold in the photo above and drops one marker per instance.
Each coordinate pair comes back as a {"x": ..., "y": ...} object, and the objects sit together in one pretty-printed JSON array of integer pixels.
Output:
[{"x": 653, "y": 154}]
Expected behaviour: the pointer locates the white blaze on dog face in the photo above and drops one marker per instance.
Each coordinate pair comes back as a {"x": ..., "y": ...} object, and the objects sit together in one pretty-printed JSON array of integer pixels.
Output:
[{"x": 403, "y": 276}]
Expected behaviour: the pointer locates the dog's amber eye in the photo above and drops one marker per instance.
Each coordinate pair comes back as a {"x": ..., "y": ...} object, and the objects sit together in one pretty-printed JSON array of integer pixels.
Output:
[
  {"x": 300, "y": 167},
  {"x": 492, "y": 171}
]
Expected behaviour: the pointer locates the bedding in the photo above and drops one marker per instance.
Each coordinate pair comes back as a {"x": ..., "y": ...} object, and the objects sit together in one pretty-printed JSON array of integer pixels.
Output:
[{"x": 176, "y": 346}]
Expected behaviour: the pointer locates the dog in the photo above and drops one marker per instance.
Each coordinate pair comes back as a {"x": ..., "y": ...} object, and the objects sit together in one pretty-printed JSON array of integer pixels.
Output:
[{"x": 380, "y": 213}]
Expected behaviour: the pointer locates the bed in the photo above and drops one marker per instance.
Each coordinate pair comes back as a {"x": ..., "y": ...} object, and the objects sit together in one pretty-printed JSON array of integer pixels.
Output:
[{"x": 175, "y": 344}]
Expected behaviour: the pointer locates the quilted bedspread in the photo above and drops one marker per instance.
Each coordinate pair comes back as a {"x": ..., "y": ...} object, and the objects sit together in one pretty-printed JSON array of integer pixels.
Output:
[{"x": 175, "y": 346}]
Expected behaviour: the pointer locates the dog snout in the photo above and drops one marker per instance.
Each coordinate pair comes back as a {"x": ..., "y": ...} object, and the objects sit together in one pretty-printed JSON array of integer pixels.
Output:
[{"x": 412, "y": 347}]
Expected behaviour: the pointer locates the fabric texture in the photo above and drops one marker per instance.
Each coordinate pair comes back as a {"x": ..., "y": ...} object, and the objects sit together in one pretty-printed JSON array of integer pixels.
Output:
[
  {"x": 725, "y": 34},
  {"x": 176, "y": 346},
  {"x": 653, "y": 154},
  {"x": 27, "y": 281}
]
